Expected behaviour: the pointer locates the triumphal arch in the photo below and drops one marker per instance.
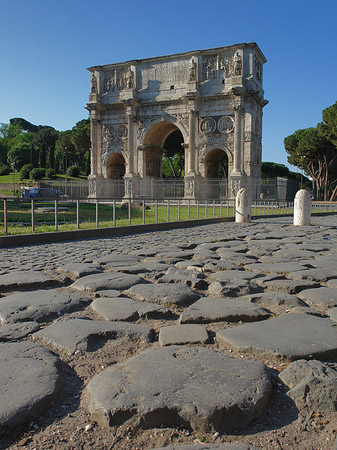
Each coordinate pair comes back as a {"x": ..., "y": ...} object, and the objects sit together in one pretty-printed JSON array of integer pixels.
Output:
[{"x": 204, "y": 105}]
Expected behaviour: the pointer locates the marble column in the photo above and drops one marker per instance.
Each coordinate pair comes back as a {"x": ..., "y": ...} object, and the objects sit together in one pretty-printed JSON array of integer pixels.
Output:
[{"x": 237, "y": 139}]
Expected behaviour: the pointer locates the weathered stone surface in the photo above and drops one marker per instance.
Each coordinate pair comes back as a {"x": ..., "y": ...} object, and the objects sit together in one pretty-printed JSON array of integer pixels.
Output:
[
  {"x": 332, "y": 283},
  {"x": 107, "y": 293},
  {"x": 209, "y": 309},
  {"x": 117, "y": 260},
  {"x": 193, "y": 387},
  {"x": 209, "y": 447},
  {"x": 190, "y": 281},
  {"x": 274, "y": 299},
  {"x": 26, "y": 279},
  {"x": 289, "y": 286},
  {"x": 231, "y": 275},
  {"x": 165, "y": 294},
  {"x": 41, "y": 305},
  {"x": 294, "y": 336},
  {"x": 111, "y": 280},
  {"x": 78, "y": 270},
  {"x": 332, "y": 313},
  {"x": 322, "y": 296},
  {"x": 294, "y": 253},
  {"x": 320, "y": 275},
  {"x": 123, "y": 308},
  {"x": 72, "y": 334},
  {"x": 15, "y": 331},
  {"x": 312, "y": 384},
  {"x": 282, "y": 268},
  {"x": 29, "y": 381},
  {"x": 235, "y": 288},
  {"x": 183, "y": 334}
]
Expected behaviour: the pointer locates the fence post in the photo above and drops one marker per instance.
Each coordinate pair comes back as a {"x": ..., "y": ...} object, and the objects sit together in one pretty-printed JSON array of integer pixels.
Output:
[
  {"x": 143, "y": 212},
  {"x": 178, "y": 210},
  {"x": 188, "y": 209},
  {"x": 197, "y": 209},
  {"x": 77, "y": 214},
  {"x": 129, "y": 209},
  {"x": 5, "y": 216},
  {"x": 168, "y": 210},
  {"x": 206, "y": 209},
  {"x": 114, "y": 213},
  {"x": 156, "y": 208},
  {"x": 213, "y": 208},
  {"x": 56, "y": 215},
  {"x": 32, "y": 215},
  {"x": 220, "y": 208},
  {"x": 97, "y": 218}
]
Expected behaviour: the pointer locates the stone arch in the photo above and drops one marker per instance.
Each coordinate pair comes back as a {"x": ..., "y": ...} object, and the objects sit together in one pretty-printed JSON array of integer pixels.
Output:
[
  {"x": 214, "y": 161},
  {"x": 157, "y": 125},
  {"x": 115, "y": 166}
]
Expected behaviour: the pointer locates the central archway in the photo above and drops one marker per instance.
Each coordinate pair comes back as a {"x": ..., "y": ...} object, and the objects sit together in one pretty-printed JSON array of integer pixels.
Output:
[
  {"x": 164, "y": 161},
  {"x": 216, "y": 173}
]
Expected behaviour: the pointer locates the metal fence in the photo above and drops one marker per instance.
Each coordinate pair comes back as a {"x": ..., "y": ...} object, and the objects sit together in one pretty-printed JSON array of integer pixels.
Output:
[{"x": 60, "y": 214}]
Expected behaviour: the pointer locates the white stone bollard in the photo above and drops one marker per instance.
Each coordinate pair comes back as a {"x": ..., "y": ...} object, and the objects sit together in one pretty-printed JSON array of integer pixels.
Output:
[
  {"x": 243, "y": 206},
  {"x": 302, "y": 208}
]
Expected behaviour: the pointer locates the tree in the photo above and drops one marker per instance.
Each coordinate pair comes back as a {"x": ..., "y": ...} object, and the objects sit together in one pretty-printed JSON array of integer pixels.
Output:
[
  {"x": 328, "y": 127},
  {"x": 316, "y": 155},
  {"x": 273, "y": 170},
  {"x": 44, "y": 141}
]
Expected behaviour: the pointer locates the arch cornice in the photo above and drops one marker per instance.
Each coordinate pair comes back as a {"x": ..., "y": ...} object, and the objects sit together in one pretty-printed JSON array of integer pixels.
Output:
[{"x": 206, "y": 149}]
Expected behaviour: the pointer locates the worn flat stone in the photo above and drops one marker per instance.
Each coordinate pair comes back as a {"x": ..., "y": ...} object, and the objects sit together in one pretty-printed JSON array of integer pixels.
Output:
[
  {"x": 107, "y": 293},
  {"x": 209, "y": 447},
  {"x": 323, "y": 296},
  {"x": 294, "y": 336},
  {"x": 117, "y": 260},
  {"x": 332, "y": 313},
  {"x": 289, "y": 286},
  {"x": 319, "y": 275},
  {"x": 193, "y": 387},
  {"x": 123, "y": 308},
  {"x": 332, "y": 283},
  {"x": 282, "y": 268},
  {"x": 274, "y": 299},
  {"x": 78, "y": 270},
  {"x": 41, "y": 305},
  {"x": 209, "y": 309},
  {"x": 190, "y": 281},
  {"x": 232, "y": 275},
  {"x": 312, "y": 384},
  {"x": 73, "y": 334},
  {"x": 16, "y": 331},
  {"x": 164, "y": 294},
  {"x": 110, "y": 280},
  {"x": 235, "y": 288},
  {"x": 294, "y": 253},
  {"x": 26, "y": 279},
  {"x": 29, "y": 381},
  {"x": 183, "y": 334}
]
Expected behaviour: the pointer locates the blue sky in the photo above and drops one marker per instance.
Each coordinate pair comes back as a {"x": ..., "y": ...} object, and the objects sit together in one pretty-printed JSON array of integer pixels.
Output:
[{"x": 47, "y": 46}]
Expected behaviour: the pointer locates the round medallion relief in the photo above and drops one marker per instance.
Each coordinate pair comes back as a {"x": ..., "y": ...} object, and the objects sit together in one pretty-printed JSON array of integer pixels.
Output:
[
  {"x": 122, "y": 131},
  {"x": 226, "y": 124},
  {"x": 207, "y": 125}
]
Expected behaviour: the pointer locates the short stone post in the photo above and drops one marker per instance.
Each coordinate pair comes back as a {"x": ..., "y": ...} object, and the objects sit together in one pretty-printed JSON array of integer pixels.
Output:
[
  {"x": 243, "y": 206},
  {"x": 302, "y": 208}
]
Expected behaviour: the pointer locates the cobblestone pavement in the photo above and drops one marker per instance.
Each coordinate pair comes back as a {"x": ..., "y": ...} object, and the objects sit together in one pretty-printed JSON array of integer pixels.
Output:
[{"x": 217, "y": 336}]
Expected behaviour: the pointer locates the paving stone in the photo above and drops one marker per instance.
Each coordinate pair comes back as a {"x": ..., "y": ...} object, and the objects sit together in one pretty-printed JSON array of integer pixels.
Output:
[
  {"x": 323, "y": 296},
  {"x": 209, "y": 309},
  {"x": 304, "y": 310},
  {"x": 235, "y": 288},
  {"x": 274, "y": 299},
  {"x": 323, "y": 262},
  {"x": 29, "y": 381},
  {"x": 332, "y": 313},
  {"x": 110, "y": 280},
  {"x": 192, "y": 387},
  {"x": 319, "y": 275},
  {"x": 289, "y": 286},
  {"x": 16, "y": 331},
  {"x": 216, "y": 266},
  {"x": 41, "y": 305},
  {"x": 79, "y": 334},
  {"x": 78, "y": 270},
  {"x": 183, "y": 334},
  {"x": 203, "y": 446},
  {"x": 123, "y": 308},
  {"x": 332, "y": 283},
  {"x": 233, "y": 275},
  {"x": 294, "y": 336},
  {"x": 107, "y": 293},
  {"x": 26, "y": 279},
  {"x": 312, "y": 384},
  {"x": 164, "y": 294},
  {"x": 294, "y": 253},
  {"x": 114, "y": 259},
  {"x": 282, "y": 268},
  {"x": 190, "y": 280}
]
